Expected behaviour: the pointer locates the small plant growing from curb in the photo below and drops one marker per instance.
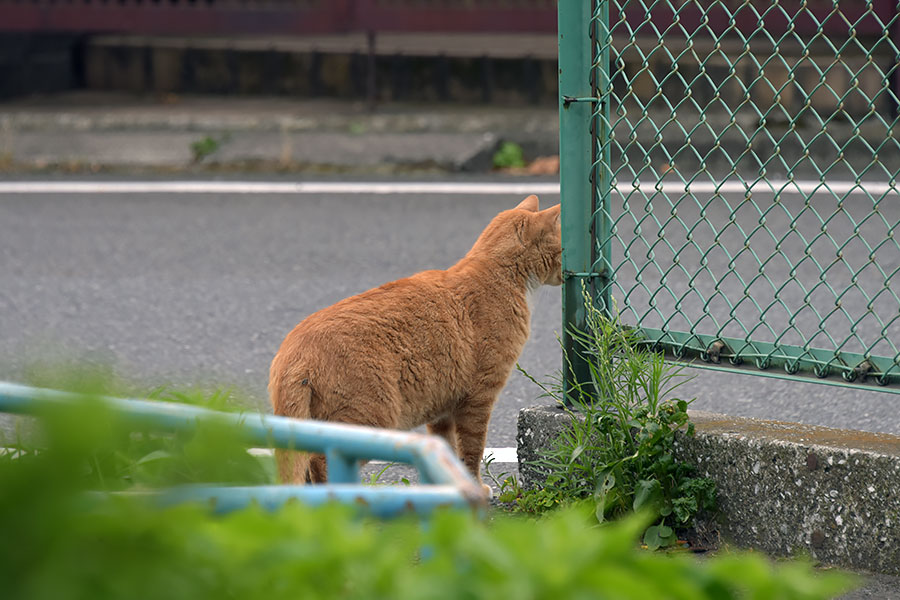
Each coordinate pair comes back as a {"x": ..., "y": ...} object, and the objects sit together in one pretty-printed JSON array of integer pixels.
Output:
[
  {"x": 619, "y": 451},
  {"x": 204, "y": 147},
  {"x": 509, "y": 155}
]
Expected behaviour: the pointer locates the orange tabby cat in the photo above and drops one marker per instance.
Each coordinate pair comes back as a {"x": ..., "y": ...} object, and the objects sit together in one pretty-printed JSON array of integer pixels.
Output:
[{"x": 435, "y": 348}]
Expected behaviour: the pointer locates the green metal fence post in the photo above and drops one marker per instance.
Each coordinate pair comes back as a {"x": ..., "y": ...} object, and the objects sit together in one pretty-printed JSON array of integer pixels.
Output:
[{"x": 576, "y": 157}]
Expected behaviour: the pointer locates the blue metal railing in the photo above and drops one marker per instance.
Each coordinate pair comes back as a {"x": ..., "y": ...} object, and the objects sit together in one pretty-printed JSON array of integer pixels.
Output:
[{"x": 446, "y": 481}]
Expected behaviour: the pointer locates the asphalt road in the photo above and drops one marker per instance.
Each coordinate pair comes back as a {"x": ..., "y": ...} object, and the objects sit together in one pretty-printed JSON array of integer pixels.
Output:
[{"x": 201, "y": 289}]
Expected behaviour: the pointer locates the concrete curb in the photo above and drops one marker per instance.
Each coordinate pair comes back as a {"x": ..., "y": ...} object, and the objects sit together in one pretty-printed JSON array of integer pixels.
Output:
[
  {"x": 783, "y": 488},
  {"x": 93, "y": 132},
  {"x": 265, "y": 151},
  {"x": 96, "y": 131}
]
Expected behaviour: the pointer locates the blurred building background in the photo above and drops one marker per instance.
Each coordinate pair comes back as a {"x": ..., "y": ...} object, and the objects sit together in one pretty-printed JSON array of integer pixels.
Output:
[
  {"x": 425, "y": 50},
  {"x": 472, "y": 51}
]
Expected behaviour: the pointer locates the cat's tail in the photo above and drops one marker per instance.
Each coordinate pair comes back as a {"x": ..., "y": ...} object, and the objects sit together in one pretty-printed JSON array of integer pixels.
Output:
[{"x": 292, "y": 399}]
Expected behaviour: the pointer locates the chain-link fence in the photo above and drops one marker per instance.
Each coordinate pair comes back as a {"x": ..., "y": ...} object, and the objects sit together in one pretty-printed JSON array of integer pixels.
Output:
[{"x": 729, "y": 179}]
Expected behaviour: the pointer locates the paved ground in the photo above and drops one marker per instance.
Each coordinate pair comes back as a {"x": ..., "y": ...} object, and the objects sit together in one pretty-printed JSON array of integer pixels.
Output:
[{"x": 203, "y": 287}]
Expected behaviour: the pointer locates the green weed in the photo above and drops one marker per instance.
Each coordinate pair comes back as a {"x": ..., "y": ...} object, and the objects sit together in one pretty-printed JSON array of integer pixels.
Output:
[
  {"x": 204, "y": 147},
  {"x": 375, "y": 478},
  {"x": 619, "y": 451},
  {"x": 509, "y": 155},
  {"x": 508, "y": 485}
]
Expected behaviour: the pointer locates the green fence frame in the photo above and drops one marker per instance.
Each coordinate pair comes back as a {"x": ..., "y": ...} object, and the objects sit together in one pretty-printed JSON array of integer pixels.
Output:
[{"x": 729, "y": 182}]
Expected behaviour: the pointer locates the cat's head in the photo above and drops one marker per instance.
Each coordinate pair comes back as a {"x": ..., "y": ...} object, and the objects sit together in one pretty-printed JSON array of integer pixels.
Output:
[
  {"x": 528, "y": 238},
  {"x": 542, "y": 237}
]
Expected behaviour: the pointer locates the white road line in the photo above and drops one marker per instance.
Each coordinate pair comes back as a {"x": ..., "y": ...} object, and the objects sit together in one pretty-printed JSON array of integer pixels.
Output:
[
  {"x": 272, "y": 187},
  {"x": 804, "y": 187},
  {"x": 501, "y": 455}
]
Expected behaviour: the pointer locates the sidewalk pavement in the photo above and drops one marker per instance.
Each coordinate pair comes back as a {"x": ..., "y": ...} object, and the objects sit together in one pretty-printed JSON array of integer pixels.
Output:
[
  {"x": 91, "y": 131},
  {"x": 103, "y": 131}
]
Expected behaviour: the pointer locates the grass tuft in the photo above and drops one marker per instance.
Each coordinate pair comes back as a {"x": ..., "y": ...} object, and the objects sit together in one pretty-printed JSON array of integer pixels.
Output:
[{"x": 618, "y": 454}]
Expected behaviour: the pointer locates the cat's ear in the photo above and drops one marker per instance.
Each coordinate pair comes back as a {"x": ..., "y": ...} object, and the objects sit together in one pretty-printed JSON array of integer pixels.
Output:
[
  {"x": 553, "y": 212},
  {"x": 530, "y": 204}
]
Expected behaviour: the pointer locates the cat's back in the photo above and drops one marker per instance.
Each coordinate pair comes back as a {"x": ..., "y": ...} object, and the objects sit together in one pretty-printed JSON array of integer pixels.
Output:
[
  {"x": 419, "y": 315},
  {"x": 425, "y": 296},
  {"x": 409, "y": 340}
]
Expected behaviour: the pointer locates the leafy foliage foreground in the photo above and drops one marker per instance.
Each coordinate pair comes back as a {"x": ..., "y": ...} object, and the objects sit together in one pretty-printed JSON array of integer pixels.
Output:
[{"x": 62, "y": 541}]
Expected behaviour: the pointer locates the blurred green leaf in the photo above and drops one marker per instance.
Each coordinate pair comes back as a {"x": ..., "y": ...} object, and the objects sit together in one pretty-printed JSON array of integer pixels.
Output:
[{"x": 61, "y": 544}]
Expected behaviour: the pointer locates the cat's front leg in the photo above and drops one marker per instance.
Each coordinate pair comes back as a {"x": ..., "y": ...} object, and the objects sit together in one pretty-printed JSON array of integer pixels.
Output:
[{"x": 471, "y": 418}]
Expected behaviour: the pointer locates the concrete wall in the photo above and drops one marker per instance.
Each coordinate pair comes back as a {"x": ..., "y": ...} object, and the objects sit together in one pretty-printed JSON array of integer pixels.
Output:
[{"x": 783, "y": 488}]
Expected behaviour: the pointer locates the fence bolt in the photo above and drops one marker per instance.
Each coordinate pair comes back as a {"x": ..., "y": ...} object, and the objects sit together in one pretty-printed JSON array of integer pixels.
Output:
[
  {"x": 714, "y": 352},
  {"x": 861, "y": 370}
]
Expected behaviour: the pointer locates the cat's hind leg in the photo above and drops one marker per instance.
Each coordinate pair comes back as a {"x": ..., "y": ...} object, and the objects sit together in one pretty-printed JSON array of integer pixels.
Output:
[
  {"x": 293, "y": 466},
  {"x": 368, "y": 412},
  {"x": 318, "y": 469},
  {"x": 446, "y": 428},
  {"x": 471, "y": 418},
  {"x": 291, "y": 397}
]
